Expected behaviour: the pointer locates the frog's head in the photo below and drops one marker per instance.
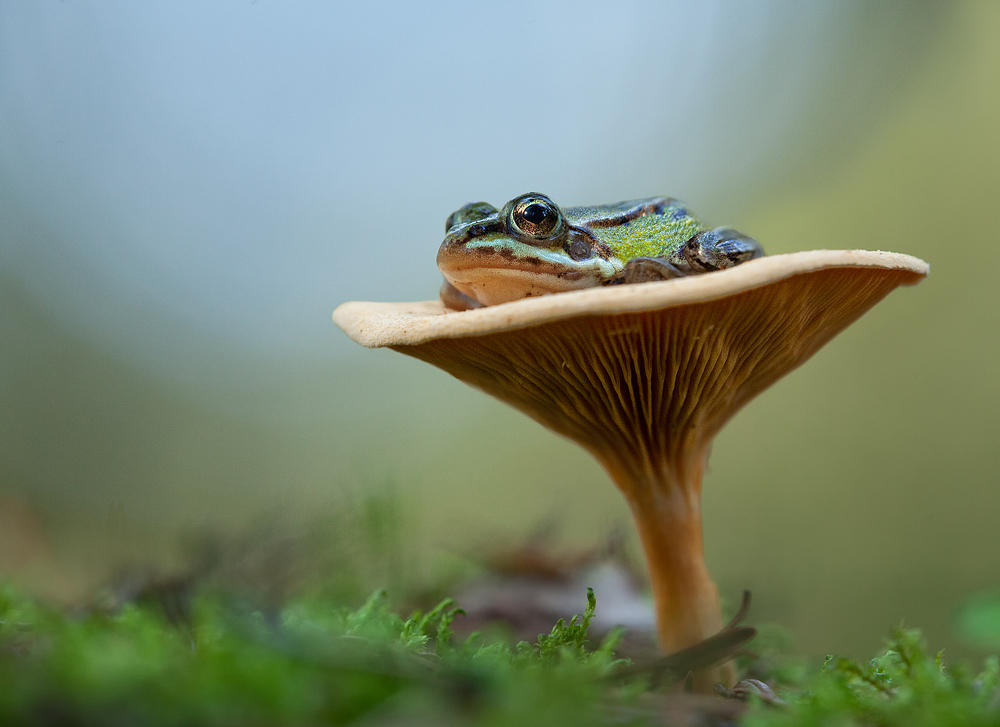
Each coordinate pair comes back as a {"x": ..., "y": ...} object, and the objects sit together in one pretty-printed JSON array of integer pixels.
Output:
[{"x": 525, "y": 249}]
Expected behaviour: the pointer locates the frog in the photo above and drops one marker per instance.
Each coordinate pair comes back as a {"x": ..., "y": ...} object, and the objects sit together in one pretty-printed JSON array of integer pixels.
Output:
[{"x": 531, "y": 247}]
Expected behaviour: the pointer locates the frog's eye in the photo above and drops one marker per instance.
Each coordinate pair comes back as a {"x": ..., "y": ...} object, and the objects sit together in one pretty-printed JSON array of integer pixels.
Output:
[{"x": 536, "y": 216}]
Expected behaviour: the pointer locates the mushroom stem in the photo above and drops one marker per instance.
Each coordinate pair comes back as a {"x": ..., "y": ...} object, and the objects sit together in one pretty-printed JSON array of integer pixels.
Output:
[{"x": 666, "y": 504}]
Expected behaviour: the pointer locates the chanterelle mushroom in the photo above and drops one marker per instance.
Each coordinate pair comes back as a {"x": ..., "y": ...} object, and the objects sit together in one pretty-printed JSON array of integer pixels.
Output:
[{"x": 643, "y": 376}]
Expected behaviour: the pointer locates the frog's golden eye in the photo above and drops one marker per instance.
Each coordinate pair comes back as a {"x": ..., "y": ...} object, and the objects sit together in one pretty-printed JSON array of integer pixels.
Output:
[{"x": 537, "y": 217}]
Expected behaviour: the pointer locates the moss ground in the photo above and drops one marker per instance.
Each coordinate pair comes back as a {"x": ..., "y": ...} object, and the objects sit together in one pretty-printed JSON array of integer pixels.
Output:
[{"x": 210, "y": 659}]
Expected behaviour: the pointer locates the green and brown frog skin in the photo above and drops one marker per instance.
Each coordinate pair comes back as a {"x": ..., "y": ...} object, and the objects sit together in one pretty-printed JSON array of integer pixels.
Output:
[{"x": 531, "y": 247}]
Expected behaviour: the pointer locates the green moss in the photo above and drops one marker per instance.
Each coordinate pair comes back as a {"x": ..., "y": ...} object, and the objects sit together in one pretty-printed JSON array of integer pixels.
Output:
[
  {"x": 904, "y": 685},
  {"x": 311, "y": 662},
  {"x": 307, "y": 663}
]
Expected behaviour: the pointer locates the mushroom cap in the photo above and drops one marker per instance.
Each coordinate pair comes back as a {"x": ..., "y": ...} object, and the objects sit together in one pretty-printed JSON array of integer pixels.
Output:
[{"x": 644, "y": 375}]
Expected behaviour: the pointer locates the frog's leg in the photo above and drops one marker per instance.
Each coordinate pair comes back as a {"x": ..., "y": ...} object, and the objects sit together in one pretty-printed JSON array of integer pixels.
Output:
[
  {"x": 455, "y": 299},
  {"x": 647, "y": 269},
  {"x": 720, "y": 248}
]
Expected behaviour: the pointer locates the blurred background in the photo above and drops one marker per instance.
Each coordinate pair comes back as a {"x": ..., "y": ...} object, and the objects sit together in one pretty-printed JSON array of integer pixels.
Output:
[{"x": 187, "y": 190}]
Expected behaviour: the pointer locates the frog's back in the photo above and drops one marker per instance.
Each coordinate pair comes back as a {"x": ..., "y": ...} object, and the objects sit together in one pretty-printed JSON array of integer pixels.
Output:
[{"x": 656, "y": 227}]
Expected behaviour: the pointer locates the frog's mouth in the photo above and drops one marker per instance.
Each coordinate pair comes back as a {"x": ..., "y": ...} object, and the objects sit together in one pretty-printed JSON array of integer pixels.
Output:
[{"x": 499, "y": 276}]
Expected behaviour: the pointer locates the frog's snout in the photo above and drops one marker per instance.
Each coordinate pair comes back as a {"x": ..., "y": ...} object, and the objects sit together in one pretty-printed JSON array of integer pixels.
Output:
[{"x": 453, "y": 253}]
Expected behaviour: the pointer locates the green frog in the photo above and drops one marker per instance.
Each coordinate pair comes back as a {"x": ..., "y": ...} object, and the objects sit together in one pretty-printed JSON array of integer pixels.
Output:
[{"x": 532, "y": 247}]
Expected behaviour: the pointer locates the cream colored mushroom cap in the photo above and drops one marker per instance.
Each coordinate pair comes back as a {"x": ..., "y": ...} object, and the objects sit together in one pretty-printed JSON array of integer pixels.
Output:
[{"x": 408, "y": 324}]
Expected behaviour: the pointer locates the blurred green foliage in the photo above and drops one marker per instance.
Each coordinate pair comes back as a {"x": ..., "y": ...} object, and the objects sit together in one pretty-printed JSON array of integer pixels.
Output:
[
  {"x": 904, "y": 685},
  {"x": 311, "y": 661},
  {"x": 978, "y": 620},
  {"x": 308, "y": 662}
]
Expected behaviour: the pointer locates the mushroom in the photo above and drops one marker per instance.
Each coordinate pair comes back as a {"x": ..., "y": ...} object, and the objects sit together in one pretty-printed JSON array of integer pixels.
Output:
[{"x": 643, "y": 376}]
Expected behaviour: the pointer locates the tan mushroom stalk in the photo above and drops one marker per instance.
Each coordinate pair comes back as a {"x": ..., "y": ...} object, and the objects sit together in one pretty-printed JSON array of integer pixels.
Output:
[{"x": 644, "y": 376}]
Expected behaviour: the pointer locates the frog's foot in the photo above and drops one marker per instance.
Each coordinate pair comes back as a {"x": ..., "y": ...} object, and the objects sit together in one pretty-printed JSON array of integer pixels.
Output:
[
  {"x": 646, "y": 270},
  {"x": 720, "y": 248},
  {"x": 455, "y": 299}
]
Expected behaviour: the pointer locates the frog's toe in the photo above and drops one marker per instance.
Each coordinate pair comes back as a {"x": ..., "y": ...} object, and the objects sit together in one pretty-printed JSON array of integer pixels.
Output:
[
  {"x": 720, "y": 248},
  {"x": 646, "y": 270}
]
